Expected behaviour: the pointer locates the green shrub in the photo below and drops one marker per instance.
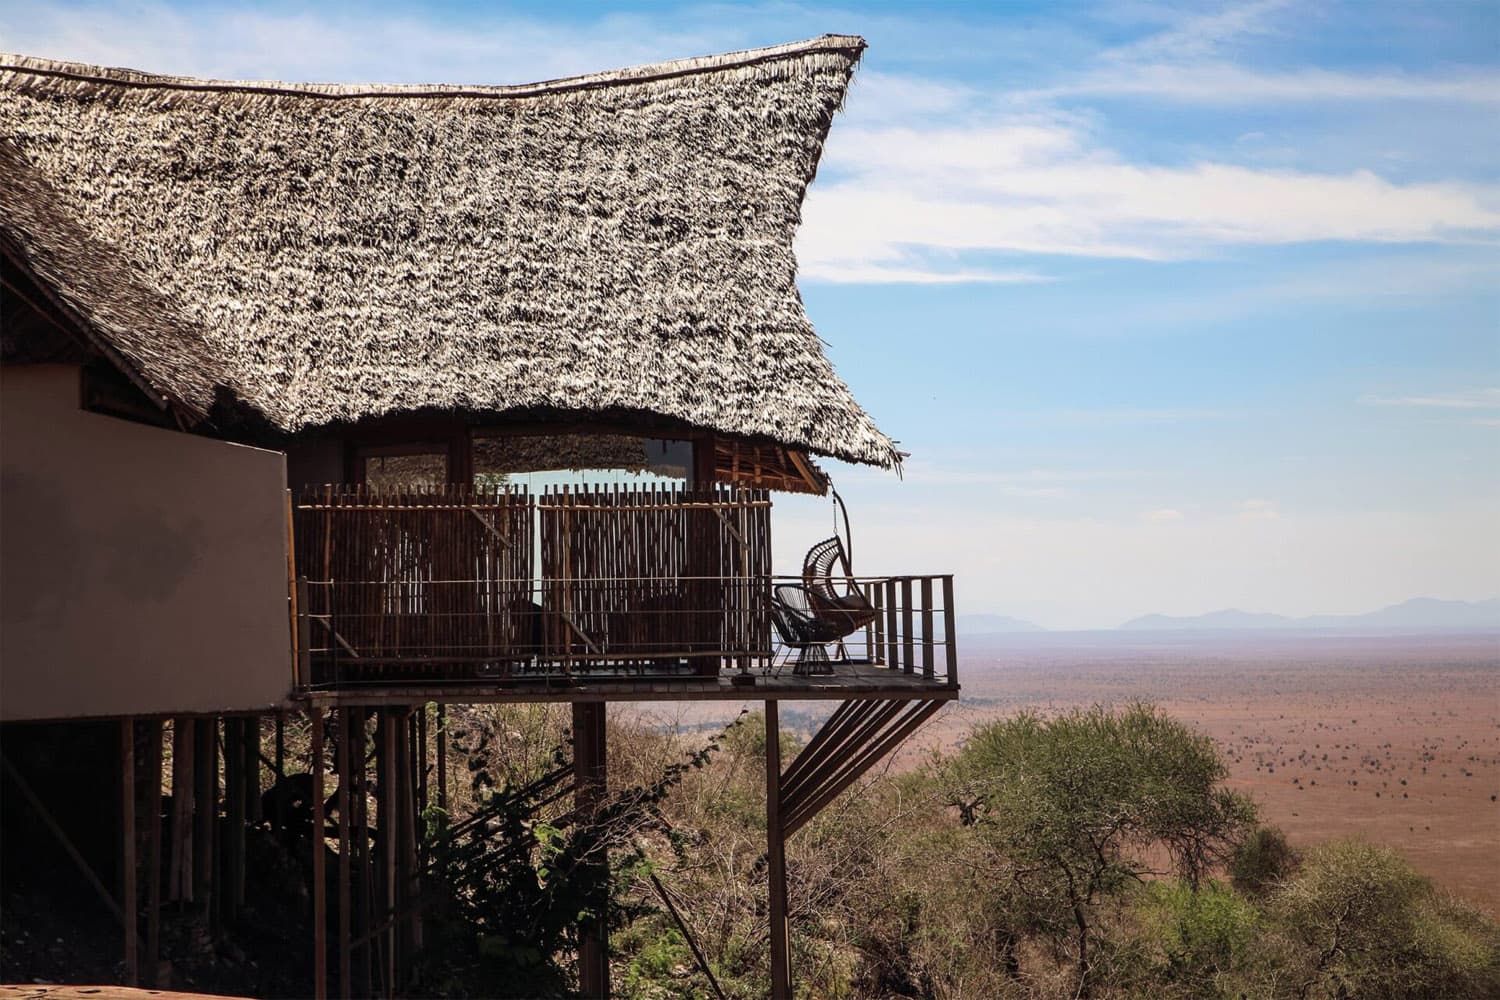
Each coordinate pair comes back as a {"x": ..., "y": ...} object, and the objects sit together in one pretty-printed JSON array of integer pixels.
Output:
[
  {"x": 1074, "y": 809},
  {"x": 1198, "y": 932},
  {"x": 1374, "y": 928},
  {"x": 1263, "y": 860}
]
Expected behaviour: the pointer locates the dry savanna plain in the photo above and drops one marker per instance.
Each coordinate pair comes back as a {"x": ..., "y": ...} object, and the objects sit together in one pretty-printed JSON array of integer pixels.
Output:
[{"x": 1395, "y": 738}]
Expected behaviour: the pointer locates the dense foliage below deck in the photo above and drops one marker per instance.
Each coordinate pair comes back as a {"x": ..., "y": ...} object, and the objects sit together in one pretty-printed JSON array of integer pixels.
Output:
[{"x": 1090, "y": 854}]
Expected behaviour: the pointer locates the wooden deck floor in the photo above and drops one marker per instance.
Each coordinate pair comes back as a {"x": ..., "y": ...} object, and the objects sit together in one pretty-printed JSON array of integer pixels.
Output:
[{"x": 847, "y": 681}]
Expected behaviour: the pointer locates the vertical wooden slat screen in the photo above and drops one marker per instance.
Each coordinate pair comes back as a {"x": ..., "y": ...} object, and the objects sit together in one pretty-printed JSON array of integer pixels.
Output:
[
  {"x": 441, "y": 582},
  {"x": 434, "y": 576},
  {"x": 656, "y": 574}
]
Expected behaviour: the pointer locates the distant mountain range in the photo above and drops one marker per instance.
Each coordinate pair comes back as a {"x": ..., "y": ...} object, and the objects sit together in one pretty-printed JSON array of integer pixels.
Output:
[
  {"x": 1418, "y": 613},
  {"x": 986, "y": 624}
]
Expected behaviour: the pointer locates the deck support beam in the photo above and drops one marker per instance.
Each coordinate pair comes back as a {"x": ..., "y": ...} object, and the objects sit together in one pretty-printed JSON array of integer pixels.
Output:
[
  {"x": 341, "y": 755},
  {"x": 153, "y": 849},
  {"x": 442, "y": 757},
  {"x": 590, "y": 774},
  {"x": 236, "y": 781},
  {"x": 206, "y": 817},
  {"x": 858, "y": 735},
  {"x": 319, "y": 852},
  {"x": 364, "y": 878},
  {"x": 129, "y": 896},
  {"x": 180, "y": 860},
  {"x": 781, "y": 953}
]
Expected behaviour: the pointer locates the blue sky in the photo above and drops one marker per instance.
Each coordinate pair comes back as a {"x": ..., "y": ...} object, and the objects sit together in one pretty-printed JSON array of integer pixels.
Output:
[{"x": 1176, "y": 306}]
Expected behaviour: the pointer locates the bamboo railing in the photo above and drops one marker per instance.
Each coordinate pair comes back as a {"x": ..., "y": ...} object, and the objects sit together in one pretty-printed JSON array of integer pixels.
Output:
[
  {"x": 444, "y": 583},
  {"x": 461, "y": 584}
]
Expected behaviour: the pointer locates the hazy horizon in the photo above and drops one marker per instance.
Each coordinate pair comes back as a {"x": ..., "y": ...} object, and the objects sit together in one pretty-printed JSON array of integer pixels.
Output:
[{"x": 1177, "y": 307}]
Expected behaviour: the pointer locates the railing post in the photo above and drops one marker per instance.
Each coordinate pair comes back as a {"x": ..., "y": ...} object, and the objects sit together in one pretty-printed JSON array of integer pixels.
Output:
[
  {"x": 877, "y": 649},
  {"x": 303, "y": 672},
  {"x": 949, "y": 628},
  {"x": 892, "y": 637},
  {"x": 908, "y": 651},
  {"x": 870, "y": 654},
  {"x": 293, "y": 595},
  {"x": 927, "y": 665}
]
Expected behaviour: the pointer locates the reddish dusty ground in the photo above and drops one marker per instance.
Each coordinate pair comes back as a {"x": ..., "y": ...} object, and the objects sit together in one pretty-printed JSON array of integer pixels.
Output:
[{"x": 1396, "y": 739}]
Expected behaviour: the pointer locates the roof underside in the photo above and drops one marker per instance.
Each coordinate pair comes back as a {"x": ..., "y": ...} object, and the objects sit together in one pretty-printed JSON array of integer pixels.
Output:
[{"x": 320, "y": 253}]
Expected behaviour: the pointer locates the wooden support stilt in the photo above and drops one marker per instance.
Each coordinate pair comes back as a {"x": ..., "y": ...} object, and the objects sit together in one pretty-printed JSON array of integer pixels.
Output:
[
  {"x": 319, "y": 850},
  {"x": 346, "y": 721},
  {"x": 180, "y": 865},
  {"x": 252, "y": 771},
  {"x": 385, "y": 811},
  {"x": 235, "y": 782},
  {"x": 590, "y": 782},
  {"x": 781, "y": 954},
  {"x": 129, "y": 896},
  {"x": 412, "y": 881},
  {"x": 206, "y": 810},
  {"x": 420, "y": 759},
  {"x": 280, "y": 817},
  {"x": 400, "y": 842},
  {"x": 364, "y": 882},
  {"x": 153, "y": 850},
  {"x": 442, "y": 756}
]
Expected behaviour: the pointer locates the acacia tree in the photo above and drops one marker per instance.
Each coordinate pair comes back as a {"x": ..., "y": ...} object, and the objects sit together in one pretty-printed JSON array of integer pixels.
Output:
[
  {"x": 1072, "y": 809},
  {"x": 1372, "y": 927}
]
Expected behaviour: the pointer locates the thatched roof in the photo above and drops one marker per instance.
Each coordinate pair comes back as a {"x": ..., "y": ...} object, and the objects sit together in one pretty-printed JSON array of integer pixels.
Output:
[{"x": 614, "y": 243}]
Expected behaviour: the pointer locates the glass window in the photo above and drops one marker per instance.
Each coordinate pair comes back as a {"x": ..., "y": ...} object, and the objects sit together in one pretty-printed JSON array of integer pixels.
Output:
[
  {"x": 405, "y": 471},
  {"x": 538, "y": 460}
]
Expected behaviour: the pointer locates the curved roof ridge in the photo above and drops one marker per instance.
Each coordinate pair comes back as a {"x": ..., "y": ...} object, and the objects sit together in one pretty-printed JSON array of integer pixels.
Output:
[
  {"x": 848, "y": 46},
  {"x": 614, "y": 243}
]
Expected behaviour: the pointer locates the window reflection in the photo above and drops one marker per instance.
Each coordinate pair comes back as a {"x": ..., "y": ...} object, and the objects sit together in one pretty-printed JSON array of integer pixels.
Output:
[
  {"x": 405, "y": 472},
  {"x": 538, "y": 460}
]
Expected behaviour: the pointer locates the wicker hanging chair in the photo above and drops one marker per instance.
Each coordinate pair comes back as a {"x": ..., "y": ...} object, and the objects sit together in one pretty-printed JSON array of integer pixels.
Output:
[
  {"x": 802, "y": 630},
  {"x": 833, "y": 599}
]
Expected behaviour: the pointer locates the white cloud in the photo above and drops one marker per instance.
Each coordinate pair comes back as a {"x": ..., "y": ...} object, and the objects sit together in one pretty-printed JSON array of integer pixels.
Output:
[
  {"x": 892, "y": 96},
  {"x": 931, "y": 176},
  {"x": 1162, "y": 515},
  {"x": 1201, "y": 34},
  {"x": 1224, "y": 83},
  {"x": 1476, "y": 399},
  {"x": 903, "y": 198},
  {"x": 924, "y": 180},
  {"x": 1186, "y": 63},
  {"x": 349, "y": 45}
]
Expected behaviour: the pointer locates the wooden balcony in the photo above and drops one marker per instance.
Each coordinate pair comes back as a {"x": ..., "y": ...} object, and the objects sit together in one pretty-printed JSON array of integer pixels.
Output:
[{"x": 465, "y": 594}]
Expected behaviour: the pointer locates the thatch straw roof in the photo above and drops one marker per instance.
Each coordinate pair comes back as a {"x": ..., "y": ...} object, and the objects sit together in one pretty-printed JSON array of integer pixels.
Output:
[{"x": 614, "y": 243}]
